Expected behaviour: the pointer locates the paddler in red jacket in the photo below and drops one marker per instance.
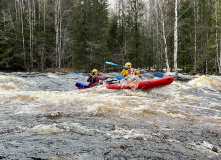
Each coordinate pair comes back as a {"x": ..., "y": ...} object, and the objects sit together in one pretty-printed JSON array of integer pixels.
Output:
[{"x": 94, "y": 78}]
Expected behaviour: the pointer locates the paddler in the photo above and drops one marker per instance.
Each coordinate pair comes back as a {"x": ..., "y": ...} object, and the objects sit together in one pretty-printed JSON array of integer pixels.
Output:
[
  {"x": 129, "y": 70},
  {"x": 94, "y": 78}
]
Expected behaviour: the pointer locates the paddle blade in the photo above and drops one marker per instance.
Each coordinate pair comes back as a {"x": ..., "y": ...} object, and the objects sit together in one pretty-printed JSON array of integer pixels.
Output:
[
  {"x": 77, "y": 73},
  {"x": 158, "y": 74},
  {"x": 119, "y": 77},
  {"x": 111, "y": 63}
]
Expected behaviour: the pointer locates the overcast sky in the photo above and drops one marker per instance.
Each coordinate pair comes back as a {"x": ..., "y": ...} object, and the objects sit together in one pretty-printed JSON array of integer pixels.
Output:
[{"x": 112, "y": 2}]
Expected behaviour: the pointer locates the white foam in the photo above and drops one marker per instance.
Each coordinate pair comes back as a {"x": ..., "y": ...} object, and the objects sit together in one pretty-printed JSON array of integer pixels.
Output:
[
  {"x": 206, "y": 82},
  {"x": 126, "y": 134},
  {"x": 57, "y": 128},
  {"x": 11, "y": 78},
  {"x": 205, "y": 147}
]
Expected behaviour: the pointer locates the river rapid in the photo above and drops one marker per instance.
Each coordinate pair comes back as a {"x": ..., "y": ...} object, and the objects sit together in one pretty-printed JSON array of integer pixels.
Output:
[{"x": 42, "y": 116}]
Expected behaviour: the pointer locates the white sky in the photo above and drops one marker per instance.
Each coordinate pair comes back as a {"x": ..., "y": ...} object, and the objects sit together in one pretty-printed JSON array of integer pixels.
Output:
[{"x": 112, "y": 2}]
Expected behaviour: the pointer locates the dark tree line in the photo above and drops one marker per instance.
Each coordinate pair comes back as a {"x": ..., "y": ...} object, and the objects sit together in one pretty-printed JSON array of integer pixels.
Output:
[{"x": 84, "y": 34}]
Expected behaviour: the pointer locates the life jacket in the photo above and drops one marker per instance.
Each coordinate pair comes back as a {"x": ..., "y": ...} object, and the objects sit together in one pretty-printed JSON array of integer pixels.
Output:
[
  {"x": 130, "y": 72},
  {"x": 94, "y": 79}
]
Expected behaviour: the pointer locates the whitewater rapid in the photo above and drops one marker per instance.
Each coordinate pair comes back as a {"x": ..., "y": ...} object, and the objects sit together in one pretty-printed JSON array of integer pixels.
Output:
[{"x": 42, "y": 116}]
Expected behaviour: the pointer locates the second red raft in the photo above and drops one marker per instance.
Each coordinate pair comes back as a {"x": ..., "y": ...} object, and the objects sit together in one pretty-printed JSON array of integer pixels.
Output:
[{"x": 144, "y": 85}]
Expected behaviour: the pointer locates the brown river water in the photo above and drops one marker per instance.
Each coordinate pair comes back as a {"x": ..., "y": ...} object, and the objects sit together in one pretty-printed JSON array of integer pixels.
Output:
[{"x": 42, "y": 117}]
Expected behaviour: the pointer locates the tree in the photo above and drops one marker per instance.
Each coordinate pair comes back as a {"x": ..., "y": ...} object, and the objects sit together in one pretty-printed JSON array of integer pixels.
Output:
[
  {"x": 90, "y": 32},
  {"x": 217, "y": 18},
  {"x": 163, "y": 35},
  {"x": 134, "y": 23},
  {"x": 82, "y": 34},
  {"x": 175, "y": 37},
  {"x": 113, "y": 41}
]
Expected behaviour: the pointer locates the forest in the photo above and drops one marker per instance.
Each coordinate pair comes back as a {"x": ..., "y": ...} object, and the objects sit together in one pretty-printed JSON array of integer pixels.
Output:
[{"x": 164, "y": 35}]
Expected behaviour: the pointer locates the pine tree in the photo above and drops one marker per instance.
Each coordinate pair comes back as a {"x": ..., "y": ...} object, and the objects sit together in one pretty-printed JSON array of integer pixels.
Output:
[
  {"x": 89, "y": 33},
  {"x": 133, "y": 33}
]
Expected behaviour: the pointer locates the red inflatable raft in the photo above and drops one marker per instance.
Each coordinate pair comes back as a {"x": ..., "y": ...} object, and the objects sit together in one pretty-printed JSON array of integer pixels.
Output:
[{"x": 144, "y": 85}]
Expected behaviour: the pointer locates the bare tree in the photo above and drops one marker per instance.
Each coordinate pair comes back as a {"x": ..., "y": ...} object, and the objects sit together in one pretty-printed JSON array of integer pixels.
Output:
[
  {"x": 175, "y": 37},
  {"x": 42, "y": 13},
  {"x": 57, "y": 32},
  {"x": 31, "y": 26},
  {"x": 62, "y": 14},
  {"x": 154, "y": 27},
  {"x": 195, "y": 33},
  {"x": 121, "y": 10},
  {"x": 218, "y": 53},
  {"x": 21, "y": 4},
  {"x": 164, "y": 37}
]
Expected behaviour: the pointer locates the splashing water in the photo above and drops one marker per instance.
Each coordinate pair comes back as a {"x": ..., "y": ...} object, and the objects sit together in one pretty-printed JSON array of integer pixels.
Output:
[{"x": 43, "y": 117}]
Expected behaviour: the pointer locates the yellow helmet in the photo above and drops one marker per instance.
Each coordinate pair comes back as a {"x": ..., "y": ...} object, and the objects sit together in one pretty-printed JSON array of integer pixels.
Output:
[
  {"x": 128, "y": 64},
  {"x": 94, "y": 70}
]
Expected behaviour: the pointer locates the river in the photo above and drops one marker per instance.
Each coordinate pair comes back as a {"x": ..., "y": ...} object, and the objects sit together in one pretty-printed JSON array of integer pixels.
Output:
[{"x": 42, "y": 117}]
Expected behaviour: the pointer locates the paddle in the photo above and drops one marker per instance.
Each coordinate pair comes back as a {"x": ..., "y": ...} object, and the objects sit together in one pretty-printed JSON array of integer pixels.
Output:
[
  {"x": 119, "y": 77},
  {"x": 114, "y": 64},
  {"x": 156, "y": 74},
  {"x": 77, "y": 73}
]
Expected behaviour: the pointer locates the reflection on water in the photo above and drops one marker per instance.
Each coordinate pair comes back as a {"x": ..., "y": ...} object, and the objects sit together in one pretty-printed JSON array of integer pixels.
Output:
[{"x": 42, "y": 116}]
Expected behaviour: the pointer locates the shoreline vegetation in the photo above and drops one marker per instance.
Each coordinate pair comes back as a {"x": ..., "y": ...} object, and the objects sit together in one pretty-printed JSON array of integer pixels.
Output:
[
  {"x": 58, "y": 35},
  {"x": 71, "y": 70}
]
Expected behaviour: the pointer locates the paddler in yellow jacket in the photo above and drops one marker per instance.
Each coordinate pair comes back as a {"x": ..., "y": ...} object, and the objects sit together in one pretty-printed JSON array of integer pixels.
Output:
[
  {"x": 130, "y": 74},
  {"x": 129, "y": 70}
]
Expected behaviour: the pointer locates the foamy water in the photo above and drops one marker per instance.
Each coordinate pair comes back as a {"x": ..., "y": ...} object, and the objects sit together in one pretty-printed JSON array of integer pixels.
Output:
[{"x": 44, "y": 117}]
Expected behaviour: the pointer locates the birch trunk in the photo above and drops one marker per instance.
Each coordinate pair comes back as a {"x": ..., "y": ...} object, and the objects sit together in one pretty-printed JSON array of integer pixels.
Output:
[
  {"x": 4, "y": 18},
  {"x": 156, "y": 39},
  {"x": 16, "y": 13},
  {"x": 30, "y": 19},
  {"x": 164, "y": 37},
  {"x": 43, "y": 50},
  {"x": 175, "y": 38},
  {"x": 151, "y": 7},
  {"x": 22, "y": 31},
  {"x": 195, "y": 34},
  {"x": 217, "y": 46},
  {"x": 60, "y": 36},
  {"x": 33, "y": 14},
  {"x": 57, "y": 48},
  {"x": 44, "y": 34},
  {"x": 32, "y": 35},
  {"x": 56, "y": 32},
  {"x": 219, "y": 61},
  {"x": 218, "y": 53},
  {"x": 17, "y": 20},
  {"x": 165, "y": 44}
]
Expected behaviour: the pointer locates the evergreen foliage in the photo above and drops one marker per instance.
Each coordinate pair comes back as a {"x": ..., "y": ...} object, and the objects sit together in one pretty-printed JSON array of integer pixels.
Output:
[{"x": 84, "y": 35}]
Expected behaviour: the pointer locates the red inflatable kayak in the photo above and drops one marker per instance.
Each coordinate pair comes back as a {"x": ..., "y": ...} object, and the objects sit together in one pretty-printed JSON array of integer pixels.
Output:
[{"x": 144, "y": 85}]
